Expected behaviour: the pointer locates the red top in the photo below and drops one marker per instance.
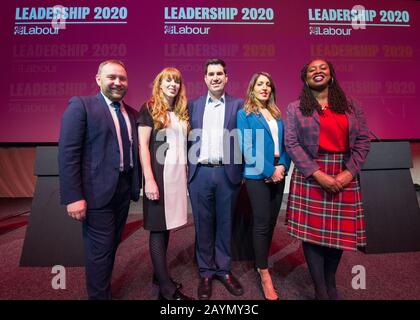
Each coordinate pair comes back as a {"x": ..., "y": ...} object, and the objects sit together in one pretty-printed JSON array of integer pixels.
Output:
[{"x": 333, "y": 131}]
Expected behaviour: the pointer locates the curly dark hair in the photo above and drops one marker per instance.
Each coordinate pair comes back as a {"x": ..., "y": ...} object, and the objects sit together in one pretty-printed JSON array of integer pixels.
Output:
[{"x": 337, "y": 99}]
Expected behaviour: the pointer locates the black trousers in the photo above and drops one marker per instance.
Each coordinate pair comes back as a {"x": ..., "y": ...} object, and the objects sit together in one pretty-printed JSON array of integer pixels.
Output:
[
  {"x": 102, "y": 231},
  {"x": 266, "y": 201}
]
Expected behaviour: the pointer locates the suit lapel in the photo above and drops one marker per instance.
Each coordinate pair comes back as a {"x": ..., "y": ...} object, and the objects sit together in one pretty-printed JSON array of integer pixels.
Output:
[
  {"x": 132, "y": 122},
  {"x": 315, "y": 115},
  {"x": 199, "y": 111},
  {"x": 228, "y": 111},
  {"x": 107, "y": 112},
  {"x": 352, "y": 122},
  {"x": 133, "y": 132},
  {"x": 262, "y": 120}
]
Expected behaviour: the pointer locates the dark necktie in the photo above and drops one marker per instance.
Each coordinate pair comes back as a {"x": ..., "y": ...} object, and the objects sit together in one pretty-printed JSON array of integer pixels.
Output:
[{"x": 124, "y": 136}]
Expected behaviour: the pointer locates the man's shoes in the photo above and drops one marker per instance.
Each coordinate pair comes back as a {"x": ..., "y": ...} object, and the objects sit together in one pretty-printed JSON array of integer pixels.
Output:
[
  {"x": 177, "y": 295},
  {"x": 178, "y": 285},
  {"x": 204, "y": 288},
  {"x": 231, "y": 284}
]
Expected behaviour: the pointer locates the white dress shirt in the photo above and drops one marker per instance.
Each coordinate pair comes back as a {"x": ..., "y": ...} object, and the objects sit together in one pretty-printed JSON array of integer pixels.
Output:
[
  {"x": 275, "y": 134},
  {"x": 211, "y": 150}
]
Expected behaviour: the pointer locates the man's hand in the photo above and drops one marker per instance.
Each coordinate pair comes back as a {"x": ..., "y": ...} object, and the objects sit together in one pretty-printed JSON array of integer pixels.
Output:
[{"x": 77, "y": 210}]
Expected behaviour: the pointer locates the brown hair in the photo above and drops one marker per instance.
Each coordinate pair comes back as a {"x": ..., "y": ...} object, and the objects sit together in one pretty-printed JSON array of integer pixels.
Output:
[{"x": 252, "y": 104}]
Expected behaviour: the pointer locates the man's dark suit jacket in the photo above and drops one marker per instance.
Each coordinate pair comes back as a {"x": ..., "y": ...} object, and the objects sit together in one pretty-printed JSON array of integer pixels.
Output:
[{"x": 89, "y": 155}]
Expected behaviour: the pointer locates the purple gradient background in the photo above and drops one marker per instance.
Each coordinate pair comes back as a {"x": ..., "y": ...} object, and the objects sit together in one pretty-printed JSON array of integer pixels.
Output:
[{"x": 391, "y": 115}]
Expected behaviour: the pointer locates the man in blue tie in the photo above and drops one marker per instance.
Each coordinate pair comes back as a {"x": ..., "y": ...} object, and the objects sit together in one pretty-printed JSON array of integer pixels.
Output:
[
  {"x": 100, "y": 171},
  {"x": 215, "y": 173}
]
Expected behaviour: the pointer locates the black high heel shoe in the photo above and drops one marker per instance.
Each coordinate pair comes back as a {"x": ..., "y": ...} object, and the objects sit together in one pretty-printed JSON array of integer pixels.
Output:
[
  {"x": 177, "y": 295},
  {"x": 178, "y": 285}
]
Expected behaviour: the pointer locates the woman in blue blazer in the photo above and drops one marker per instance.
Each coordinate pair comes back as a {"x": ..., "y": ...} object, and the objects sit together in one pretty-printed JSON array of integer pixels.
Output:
[{"x": 266, "y": 164}]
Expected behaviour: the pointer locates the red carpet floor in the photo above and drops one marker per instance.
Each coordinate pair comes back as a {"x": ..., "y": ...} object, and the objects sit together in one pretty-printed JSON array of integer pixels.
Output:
[{"x": 393, "y": 276}]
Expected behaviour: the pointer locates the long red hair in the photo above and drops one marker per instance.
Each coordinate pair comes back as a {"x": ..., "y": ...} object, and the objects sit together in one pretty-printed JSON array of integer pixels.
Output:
[{"x": 157, "y": 104}]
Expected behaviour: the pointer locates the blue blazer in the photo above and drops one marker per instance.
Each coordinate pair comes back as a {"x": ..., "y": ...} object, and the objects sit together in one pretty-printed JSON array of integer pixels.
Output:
[
  {"x": 257, "y": 145},
  {"x": 89, "y": 157},
  {"x": 232, "y": 156}
]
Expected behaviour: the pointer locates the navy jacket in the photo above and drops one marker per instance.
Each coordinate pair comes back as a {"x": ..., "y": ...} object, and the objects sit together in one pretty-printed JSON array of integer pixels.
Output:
[{"x": 89, "y": 157}]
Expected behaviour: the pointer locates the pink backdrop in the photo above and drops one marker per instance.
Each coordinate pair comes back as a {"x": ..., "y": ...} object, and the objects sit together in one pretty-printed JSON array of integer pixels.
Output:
[{"x": 378, "y": 65}]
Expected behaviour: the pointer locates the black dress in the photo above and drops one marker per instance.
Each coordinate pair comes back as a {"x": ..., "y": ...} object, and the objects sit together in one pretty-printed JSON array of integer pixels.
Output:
[{"x": 168, "y": 158}]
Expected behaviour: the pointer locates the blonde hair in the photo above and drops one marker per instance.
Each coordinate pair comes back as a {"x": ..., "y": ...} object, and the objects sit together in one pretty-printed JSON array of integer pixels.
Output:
[
  {"x": 252, "y": 104},
  {"x": 157, "y": 104}
]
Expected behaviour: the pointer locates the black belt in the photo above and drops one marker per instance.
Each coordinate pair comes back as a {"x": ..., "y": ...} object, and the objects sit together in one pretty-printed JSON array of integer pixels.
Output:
[
  {"x": 127, "y": 172},
  {"x": 211, "y": 164}
]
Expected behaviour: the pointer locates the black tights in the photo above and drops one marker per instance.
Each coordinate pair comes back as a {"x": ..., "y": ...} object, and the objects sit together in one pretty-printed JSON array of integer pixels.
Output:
[
  {"x": 158, "y": 245},
  {"x": 323, "y": 263}
]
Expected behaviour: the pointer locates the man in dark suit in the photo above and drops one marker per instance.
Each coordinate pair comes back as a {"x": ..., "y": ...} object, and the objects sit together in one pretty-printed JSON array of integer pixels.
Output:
[
  {"x": 99, "y": 171},
  {"x": 215, "y": 168}
]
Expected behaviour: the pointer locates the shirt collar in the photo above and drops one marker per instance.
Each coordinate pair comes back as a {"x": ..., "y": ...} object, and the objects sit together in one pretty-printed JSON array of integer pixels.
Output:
[
  {"x": 209, "y": 99},
  {"x": 109, "y": 102}
]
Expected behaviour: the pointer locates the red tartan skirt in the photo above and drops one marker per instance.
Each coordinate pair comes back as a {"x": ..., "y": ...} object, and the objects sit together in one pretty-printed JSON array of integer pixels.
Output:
[{"x": 316, "y": 216}]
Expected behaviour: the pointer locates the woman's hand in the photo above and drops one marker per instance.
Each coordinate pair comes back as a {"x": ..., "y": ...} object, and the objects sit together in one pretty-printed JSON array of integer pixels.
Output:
[
  {"x": 327, "y": 182},
  {"x": 344, "y": 178},
  {"x": 278, "y": 174},
  {"x": 151, "y": 189}
]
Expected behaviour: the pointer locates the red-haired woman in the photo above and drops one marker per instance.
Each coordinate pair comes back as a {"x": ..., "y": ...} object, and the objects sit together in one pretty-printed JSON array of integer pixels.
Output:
[{"x": 163, "y": 127}]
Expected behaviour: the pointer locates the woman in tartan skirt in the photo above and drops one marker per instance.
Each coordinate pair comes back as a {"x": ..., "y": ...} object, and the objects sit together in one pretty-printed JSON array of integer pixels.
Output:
[{"x": 326, "y": 137}]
